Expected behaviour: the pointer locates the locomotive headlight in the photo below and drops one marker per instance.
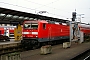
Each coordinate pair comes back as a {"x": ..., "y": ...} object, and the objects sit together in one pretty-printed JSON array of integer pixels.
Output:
[
  {"x": 36, "y": 36},
  {"x": 34, "y": 32},
  {"x": 25, "y": 32}
]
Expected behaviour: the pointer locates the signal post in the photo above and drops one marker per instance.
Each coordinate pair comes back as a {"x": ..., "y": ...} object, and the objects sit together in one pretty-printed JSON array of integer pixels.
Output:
[{"x": 75, "y": 34}]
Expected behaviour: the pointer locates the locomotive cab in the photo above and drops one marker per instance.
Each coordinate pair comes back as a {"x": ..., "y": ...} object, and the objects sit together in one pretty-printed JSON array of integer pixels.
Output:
[
  {"x": 30, "y": 34},
  {"x": 30, "y": 30}
]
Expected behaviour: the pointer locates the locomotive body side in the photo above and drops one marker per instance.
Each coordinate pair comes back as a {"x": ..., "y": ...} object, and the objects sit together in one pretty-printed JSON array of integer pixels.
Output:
[{"x": 51, "y": 32}]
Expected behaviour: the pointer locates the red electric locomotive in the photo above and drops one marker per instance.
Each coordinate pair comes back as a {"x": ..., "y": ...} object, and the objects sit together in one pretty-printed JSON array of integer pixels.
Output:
[
  {"x": 41, "y": 31},
  {"x": 36, "y": 32}
]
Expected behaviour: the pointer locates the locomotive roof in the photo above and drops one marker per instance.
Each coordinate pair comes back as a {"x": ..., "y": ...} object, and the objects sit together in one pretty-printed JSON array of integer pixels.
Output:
[{"x": 43, "y": 21}]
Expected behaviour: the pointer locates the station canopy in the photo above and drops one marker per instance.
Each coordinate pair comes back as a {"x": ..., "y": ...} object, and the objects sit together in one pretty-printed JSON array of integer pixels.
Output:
[{"x": 8, "y": 16}]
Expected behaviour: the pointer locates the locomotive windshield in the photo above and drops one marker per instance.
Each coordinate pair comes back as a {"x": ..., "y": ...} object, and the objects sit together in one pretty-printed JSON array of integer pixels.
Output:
[{"x": 31, "y": 25}]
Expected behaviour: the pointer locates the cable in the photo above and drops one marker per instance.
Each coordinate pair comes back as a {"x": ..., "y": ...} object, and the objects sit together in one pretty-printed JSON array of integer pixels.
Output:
[
  {"x": 41, "y": 4},
  {"x": 16, "y": 5},
  {"x": 57, "y": 15},
  {"x": 47, "y": 4},
  {"x": 28, "y": 8}
]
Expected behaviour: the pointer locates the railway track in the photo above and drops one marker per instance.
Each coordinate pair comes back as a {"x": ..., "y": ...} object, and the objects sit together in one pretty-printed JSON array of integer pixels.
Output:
[
  {"x": 8, "y": 47},
  {"x": 36, "y": 52},
  {"x": 57, "y": 51},
  {"x": 31, "y": 54},
  {"x": 84, "y": 56}
]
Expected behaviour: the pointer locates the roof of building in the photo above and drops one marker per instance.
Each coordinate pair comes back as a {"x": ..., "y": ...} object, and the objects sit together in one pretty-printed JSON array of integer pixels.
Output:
[{"x": 12, "y": 16}]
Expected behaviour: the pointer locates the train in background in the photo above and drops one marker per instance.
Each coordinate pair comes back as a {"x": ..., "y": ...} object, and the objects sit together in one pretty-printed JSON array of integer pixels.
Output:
[
  {"x": 86, "y": 31},
  {"x": 36, "y": 32},
  {"x": 5, "y": 32}
]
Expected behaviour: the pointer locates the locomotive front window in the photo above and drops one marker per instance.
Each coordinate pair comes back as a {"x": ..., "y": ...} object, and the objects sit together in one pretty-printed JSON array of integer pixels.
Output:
[
  {"x": 31, "y": 25},
  {"x": 34, "y": 25},
  {"x": 27, "y": 25}
]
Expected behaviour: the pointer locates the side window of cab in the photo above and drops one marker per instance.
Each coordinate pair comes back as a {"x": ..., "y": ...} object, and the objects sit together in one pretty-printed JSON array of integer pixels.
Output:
[{"x": 44, "y": 25}]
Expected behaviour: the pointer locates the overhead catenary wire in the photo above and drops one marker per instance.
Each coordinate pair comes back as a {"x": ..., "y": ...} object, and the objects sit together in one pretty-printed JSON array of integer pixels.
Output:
[
  {"x": 29, "y": 8},
  {"x": 16, "y": 5},
  {"x": 46, "y": 5}
]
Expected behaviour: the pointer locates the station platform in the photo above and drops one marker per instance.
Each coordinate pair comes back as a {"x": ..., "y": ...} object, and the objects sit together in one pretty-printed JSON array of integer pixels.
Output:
[
  {"x": 9, "y": 42},
  {"x": 59, "y": 53},
  {"x": 9, "y": 46}
]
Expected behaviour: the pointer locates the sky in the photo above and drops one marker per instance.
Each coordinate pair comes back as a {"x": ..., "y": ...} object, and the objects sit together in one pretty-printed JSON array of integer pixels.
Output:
[{"x": 61, "y": 9}]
